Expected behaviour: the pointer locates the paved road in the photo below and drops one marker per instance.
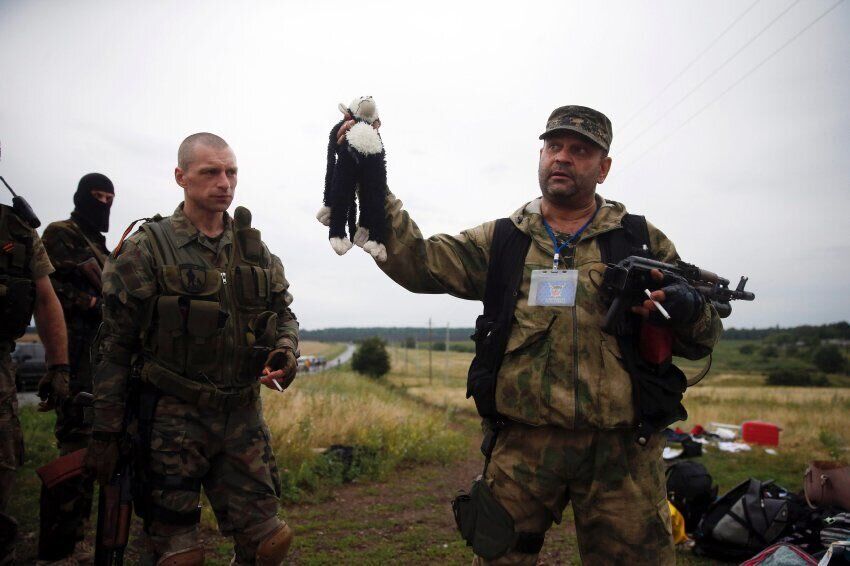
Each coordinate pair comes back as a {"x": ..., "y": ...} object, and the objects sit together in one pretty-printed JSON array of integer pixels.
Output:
[{"x": 339, "y": 360}]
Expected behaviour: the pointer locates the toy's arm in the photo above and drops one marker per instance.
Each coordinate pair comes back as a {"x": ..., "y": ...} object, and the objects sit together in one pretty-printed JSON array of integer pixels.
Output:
[{"x": 443, "y": 263}]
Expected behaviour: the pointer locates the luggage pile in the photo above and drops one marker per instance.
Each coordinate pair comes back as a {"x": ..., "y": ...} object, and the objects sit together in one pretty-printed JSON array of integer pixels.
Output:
[{"x": 759, "y": 522}]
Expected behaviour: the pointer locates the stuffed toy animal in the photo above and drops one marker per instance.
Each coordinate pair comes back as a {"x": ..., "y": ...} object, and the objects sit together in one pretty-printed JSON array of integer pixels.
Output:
[{"x": 356, "y": 170}]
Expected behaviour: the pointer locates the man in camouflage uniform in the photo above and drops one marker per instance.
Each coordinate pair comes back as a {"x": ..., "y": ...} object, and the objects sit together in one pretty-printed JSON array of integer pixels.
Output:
[
  {"x": 77, "y": 249},
  {"x": 25, "y": 290},
  {"x": 196, "y": 310},
  {"x": 562, "y": 384}
]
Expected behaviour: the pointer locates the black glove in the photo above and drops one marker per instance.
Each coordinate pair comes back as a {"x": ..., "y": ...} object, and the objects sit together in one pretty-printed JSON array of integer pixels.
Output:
[
  {"x": 103, "y": 455},
  {"x": 283, "y": 359},
  {"x": 54, "y": 387},
  {"x": 682, "y": 302}
]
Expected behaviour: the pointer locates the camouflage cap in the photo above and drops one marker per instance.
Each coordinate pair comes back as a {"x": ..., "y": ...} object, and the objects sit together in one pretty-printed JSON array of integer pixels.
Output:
[{"x": 586, "y": 121}]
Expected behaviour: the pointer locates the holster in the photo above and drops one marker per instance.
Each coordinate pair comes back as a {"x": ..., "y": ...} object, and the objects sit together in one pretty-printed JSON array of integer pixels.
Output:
[{"x": 483, "y": 523}]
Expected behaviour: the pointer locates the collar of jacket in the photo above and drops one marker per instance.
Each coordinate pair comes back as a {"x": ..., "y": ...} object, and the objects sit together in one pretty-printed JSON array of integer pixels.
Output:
[
  {"x": 529, "y": 220},
  {"x": 186, "y": 232}
]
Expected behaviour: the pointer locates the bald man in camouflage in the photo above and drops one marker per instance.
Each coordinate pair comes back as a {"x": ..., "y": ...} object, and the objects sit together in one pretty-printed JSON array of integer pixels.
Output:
[
  {"x": 196, "y": 315},
  {"x": 562, "y": 389}
]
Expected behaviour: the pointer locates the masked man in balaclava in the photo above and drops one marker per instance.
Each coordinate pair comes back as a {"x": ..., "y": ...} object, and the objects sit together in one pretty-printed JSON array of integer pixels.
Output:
[{"x": 77, "y": 249}]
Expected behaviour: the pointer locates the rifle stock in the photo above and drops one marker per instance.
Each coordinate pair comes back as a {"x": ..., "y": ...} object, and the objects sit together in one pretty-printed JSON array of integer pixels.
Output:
[{"x": 91, "y": 270}]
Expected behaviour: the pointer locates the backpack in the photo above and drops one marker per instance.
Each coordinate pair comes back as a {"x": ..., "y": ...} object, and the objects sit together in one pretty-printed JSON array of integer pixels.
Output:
[
  {"x": 504, "y": 277},
  {"x": 744, "y": 521},
  {"x": 690, "y": 488}
]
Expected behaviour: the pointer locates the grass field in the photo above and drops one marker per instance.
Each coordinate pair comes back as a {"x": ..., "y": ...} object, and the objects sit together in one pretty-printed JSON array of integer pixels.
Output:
[
  {"x": 418, "y": 443},
  {"x": 814, "y": 420},
  {"x": 329, "y": 350}
]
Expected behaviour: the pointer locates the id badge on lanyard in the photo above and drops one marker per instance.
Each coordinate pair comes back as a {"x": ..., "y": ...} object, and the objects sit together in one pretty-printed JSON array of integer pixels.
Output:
[
  {"x": 556, "y": 287},
  {"x": 553, "y": 288}
]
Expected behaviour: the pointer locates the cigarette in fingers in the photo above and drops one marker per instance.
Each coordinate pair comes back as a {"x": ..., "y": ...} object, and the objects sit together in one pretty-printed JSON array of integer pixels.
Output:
[
  {"x": 661, "y": 309},
  {"x": 279, "y": 388}
]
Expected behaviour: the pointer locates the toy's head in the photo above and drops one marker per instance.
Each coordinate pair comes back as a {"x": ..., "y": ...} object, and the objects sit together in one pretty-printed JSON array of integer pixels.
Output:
[{"x": 362, "y": 108}]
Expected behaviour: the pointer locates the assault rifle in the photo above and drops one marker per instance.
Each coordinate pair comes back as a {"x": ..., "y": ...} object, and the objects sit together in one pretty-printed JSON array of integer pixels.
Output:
[
  {"x": 92, "y": 272},
  {"x": 626, "y": 281},
  {"x": 114, "y": 515},
  {"x": 114, "y": 510}
]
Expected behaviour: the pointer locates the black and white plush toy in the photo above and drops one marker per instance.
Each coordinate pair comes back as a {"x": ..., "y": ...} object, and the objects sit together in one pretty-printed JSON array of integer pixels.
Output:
[{"x": 356, "y": 170}]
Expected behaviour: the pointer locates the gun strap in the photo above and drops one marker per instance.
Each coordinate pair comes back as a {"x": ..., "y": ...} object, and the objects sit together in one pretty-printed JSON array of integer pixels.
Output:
[{"x": 99, "y": 255}]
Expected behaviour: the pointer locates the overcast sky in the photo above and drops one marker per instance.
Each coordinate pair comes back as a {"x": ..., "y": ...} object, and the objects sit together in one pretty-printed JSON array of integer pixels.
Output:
[{"x": 741, "y": 159}]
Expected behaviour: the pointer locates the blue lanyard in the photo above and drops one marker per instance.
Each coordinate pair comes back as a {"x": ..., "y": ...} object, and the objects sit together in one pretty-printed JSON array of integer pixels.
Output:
[{"x": 567, "y": 243}]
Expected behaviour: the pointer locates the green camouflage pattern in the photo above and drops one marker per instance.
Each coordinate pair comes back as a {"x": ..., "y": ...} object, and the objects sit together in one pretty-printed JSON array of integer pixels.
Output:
[
  {"x": 228, "y": 451},
  {"x": 130, "y": 287},
  {"x": 19, "y": 243},
  {"x": 617, "y": 489},
  {"x": 231, "y": 455},
  {"x": 583, "y": 120},
  {"x": 11, "y": 435},
  {"x": 67, "y": 245},
  {"x": 559, "y": 367}
]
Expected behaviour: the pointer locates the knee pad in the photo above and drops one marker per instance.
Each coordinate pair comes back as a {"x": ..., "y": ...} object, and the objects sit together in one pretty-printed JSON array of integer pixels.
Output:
[
  {"x": 187, "y": 557},
  {"x": 272, "y": 550}
]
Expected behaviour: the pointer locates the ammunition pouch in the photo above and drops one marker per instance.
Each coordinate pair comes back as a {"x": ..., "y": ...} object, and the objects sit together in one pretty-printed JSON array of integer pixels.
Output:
[
  {"x": 487, "y": 527},
  {"x": 196, "y": 393}
]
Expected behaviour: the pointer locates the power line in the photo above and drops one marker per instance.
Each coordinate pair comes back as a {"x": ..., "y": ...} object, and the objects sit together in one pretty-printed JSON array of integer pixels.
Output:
[
  {"x": 710, "y": 75},
  {"x": 733, "y": 85},
  {"x": 687, "y": 67}
]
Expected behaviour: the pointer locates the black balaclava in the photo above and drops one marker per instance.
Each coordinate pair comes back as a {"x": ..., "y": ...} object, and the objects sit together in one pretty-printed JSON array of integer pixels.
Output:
[{"x": 91, "y": 210}]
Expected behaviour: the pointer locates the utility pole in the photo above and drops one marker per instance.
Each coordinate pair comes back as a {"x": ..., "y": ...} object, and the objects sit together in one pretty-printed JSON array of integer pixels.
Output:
[
  {"x": 430, "y": 352},
  {"x": 446, "y": 374}
]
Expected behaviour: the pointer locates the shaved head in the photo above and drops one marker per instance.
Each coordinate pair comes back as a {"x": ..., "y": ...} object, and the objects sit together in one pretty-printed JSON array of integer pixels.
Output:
[{"x": 186, "y": 152}]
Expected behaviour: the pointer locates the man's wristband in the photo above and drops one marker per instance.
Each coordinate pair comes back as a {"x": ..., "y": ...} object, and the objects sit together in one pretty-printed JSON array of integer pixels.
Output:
[{"x": 59, "y": 367}]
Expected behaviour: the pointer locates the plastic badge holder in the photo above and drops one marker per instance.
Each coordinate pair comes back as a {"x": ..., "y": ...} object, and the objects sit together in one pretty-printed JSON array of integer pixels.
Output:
[{"x": 553, "y": 288}]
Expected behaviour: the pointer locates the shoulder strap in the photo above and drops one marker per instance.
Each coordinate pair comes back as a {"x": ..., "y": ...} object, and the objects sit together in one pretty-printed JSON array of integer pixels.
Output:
[
  {"x": 161, "y": 241},
  {"x": 618, "y": 244},
  {"x": 99, "y": 255},
  {"x": 504, "y": 271}
]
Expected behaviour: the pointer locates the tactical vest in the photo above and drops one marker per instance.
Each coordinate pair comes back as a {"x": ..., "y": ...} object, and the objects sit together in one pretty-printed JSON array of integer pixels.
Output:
[
  {"x": 17, "y": 288},
  {"x": 209, "y": 325}
]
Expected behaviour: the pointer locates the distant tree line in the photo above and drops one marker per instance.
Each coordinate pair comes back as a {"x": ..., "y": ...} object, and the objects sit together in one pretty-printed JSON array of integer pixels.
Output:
[
  {"x": 807, "y": 334},
  {"x": 388, "y": 334}
]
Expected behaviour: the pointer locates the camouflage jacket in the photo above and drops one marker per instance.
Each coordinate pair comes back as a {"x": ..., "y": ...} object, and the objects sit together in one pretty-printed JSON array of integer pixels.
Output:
[
  {"x": 559, "y": 367},
  {"x": 69, "y": 243},
  {"x": 130, "y": 287}
]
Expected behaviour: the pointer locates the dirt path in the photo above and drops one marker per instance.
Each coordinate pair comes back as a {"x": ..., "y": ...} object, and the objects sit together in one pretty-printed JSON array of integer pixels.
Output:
[{"x": 406, "y": 519}]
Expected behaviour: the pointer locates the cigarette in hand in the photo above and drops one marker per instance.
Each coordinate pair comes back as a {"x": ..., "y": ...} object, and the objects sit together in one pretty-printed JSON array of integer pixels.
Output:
[{"x": 661, "y": 309}]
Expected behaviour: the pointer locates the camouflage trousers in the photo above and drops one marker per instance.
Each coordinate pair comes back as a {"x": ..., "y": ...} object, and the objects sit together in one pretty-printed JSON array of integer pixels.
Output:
[
  {"x": 11, "y": 451},
  {"x": 229, "y": 454},
  {"x": 617, "y": 489}
]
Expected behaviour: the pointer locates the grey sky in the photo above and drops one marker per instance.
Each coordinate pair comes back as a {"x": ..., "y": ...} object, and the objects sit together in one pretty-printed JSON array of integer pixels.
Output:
[{"x": 756, "y": 183}]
